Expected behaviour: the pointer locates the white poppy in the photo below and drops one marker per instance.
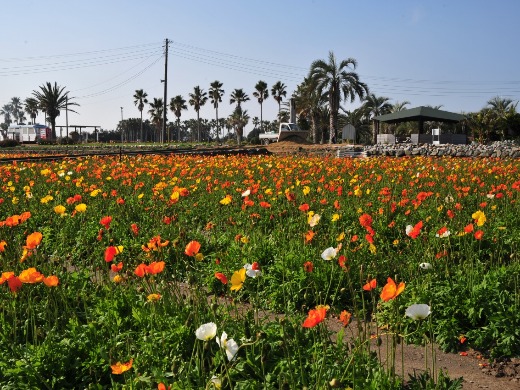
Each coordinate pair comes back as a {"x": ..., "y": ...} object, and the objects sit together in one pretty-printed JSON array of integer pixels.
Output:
[
  {"x": 206, "y": 332},
  {"x": 409, "y": 229},
  {"x": 246, "y": 193},
  {"x": 418, "y": 311},
  {"x": 229, "y": 345},
  {"x": 425, "y": 266},
  {"x": 329, "y": 253},
  {"x": 252, "y": 270}
]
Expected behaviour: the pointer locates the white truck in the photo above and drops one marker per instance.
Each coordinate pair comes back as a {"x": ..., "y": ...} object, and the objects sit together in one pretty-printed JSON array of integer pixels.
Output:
[{"x": 285, "y": 130}]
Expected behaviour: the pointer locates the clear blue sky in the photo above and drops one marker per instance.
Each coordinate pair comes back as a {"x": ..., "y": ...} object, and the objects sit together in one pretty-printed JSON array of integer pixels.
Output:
[{"x": 454, "y": 53}]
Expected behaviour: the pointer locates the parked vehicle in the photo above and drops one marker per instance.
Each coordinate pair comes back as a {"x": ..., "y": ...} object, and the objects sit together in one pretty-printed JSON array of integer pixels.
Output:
[
  {"x": 285, "y": 130},
  {"x": 28, "y": 133}
]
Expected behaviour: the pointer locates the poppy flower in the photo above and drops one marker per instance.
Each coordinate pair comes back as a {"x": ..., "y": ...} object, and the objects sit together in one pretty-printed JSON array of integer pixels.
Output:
[
  {"x": 81, "y": 208},
  {"x": 365, "y": 220},
  {"x": 370, "y": 285},
  {"x": 414, "y": 231},
  {"x": 116, "y": 268},
  {"x": 304, "y": 207},
  {"x": 153, "y": 297},
  {"x": 3, "y": 244},
  {"x": 229, "y": 345},
  {"x": 33, "y": 240},
  {"x": 14, "y": 284},
  {"x": 309, "y": 236},
  {"x": 479, "y": 217},
  {"x": 313, "y": 219},
  {"x": 342, "y": 260},
  {"x": 479, "y": 234},
  {"x": 344, "y": 317},
  {"x": 238, "y": 279},
  {"x": 51, "y": 281},
  {"x": 391, "y": 290},
  {"x": 140, "y": 270},
  {"x": 265, "y": 205},
  {"x": 226, "y": 200},
  {"x": 468, "y": 228},
  {"x": 443, "y": 232},
  {"x": 314, "y": 317},
  {"x": 220, "y": 276},
  {"x": 192, "y": 248},
  {"x": 253, "y": 270},
  {"x": 308, "y": 266},
  {"x": 155, "y": 267},
  {"x": 106, "y": 221},
  {"x": 135, "y": 229},
  {"x": 329, "y": 253},
  {"x": 418, "y": 311},
  {"x": 119, "y": 368},
  {"x": 31, "y": 276},
  {"x": 111, "y": 252},
  {"x": 206, "y": 332},
  {"x": 59, "y": 209}
]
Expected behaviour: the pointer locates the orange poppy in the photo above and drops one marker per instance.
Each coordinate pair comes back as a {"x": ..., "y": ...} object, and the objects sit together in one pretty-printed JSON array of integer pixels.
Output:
[
  {"x": 314, "y": 317},
  {"x": 192, "y": 248},
  {"x": 14, "y": 283},
  {"x": 308, "y": 266},
  {"x": 391, "y": 290},
  {"x": 140, "y": 270},
  {"x": 479, "y": 234},
  {"x": 344, "y": 317},
  {"x": 304, "y": 207},
  {"x": 116, "y": 268},
  {"x": 309, "y": 236},
  {"x": 119, "y": 367},
  {"x": 51, "y": 281},
  {"x": 370, "y": 285},
  {"x": 33, "y": 240},
  {"x": 3, "y": 244},
  {"x": 155, "y": 268}
]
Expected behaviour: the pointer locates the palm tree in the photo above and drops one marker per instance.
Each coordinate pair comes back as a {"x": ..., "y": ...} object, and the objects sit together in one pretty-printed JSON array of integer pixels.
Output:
[
  {"x": 177, "y": 105},
  {"x": 309, "y": 105},
  {"x": 31, "y": 108},
  {"x": 197, "y": 99},
  {"x": 156, "y": 114},
  {"x": 501, "y": 109},
  {"x": 278, "y": 91},
  {"x": 51, "y": 99},
  {"x": 17, "y": 108},
  {"x": 7, "y": 112},
  {"x": 336, "y": 83},
  {"x": 399, "y": 106},
  {"x": 238, "y": 96},
  {"x": 261, "y": 93},
  {"x": 238, "y": 120},
  {"x": 215, "y": 93},
  {"x": 140, "y": 99},
  {"x": 374, "y": 106}
]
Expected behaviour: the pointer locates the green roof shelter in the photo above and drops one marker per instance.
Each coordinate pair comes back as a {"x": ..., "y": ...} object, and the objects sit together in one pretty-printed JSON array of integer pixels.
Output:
[{"x": 420, "y": 114}]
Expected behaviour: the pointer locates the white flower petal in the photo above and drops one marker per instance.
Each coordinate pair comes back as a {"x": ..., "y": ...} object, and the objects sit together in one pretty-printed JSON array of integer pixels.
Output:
[
  {"x": 329, "y": 253},
  {"x": 418, "y": 311},
  {"x": 206, "y": 331}
]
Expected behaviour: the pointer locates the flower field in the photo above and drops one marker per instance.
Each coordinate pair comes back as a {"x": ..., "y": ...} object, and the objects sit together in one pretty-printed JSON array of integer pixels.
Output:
[{"x": 198, "y": 272}]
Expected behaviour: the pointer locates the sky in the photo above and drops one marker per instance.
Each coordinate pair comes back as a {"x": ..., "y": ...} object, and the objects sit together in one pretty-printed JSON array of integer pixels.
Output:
[{"x": 457, "y": 54}]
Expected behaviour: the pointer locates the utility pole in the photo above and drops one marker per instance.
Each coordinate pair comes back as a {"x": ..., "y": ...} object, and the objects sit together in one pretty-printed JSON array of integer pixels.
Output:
[
  {"x": 166, "y": 42},
  {"x": 121, "y": 124}
]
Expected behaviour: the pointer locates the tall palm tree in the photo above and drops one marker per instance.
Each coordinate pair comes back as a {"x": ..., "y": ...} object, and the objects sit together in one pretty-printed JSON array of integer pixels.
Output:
[
  {"x": 215, "y": 93},
  {"x": 374, "y": 106},
  {"x": 156, "y": 115},
  {"x": 261, "y": 93},
  {"x": 501, "y": 109},
  {"x": 309, "y": 105},
  {"x": 140, "y": 99},
  {"x": 399, "y": 106},
  {"x": 51, "y": 99},
  {"x": 337, "y": 82},
  {"x": 197, "y": 99},
  {"x": 278, "y": 92},
  {"x": 7, "y": 112},
  {"x": 238, "y": 96},
  {"x": 17, "y": 108},
  {"x": 177, "y": 105},
  {"x": 238, "y": 120},
  {"x": 31, "y": 108}
]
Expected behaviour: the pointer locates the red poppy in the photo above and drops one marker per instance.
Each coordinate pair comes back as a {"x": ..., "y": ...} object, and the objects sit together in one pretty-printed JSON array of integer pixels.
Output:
[
  {"x": 155, "y": 268},
  {"x": 479, "y": 234},
  {"x": 106, "y": 221},
  {"x": 342, "y": 260},
  {"x": 314, "y": 317},
  {"x": 308, "y": 266},
  {"x": 365, "y": 220},
  {"x": 220, "y": 276},
  {"x": 14, "y": 283},
  {"x": 116, "y": 268},
  {"x": 110, "y": 253},
  {"x": 370, "y": 285},
  {"x": 192, "y": 248},
  {"x": 135, "y": 229},
  {"x": 265, "y": 205},
  {"x": 304, "y": 207},
  {"x": 140, "y": 270},
  {"x": 468, "y": 228}
]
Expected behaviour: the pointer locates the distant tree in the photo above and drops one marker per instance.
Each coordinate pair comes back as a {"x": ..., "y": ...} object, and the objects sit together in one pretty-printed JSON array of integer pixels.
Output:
[
  {"x": 51, "y": 99},
  {"x": 278, "y": 92},
  {"x": 239, "y": 119},
  {"x": 502, "y": 112},
  {"x": 261, "y": 93},
  {"x": 31, "y": 108},
  {"x": 140, "y": 99},
  {"x": 198, "y": 99},
  {"x": 309, "y": 105},
  {"x": 6, "y": 111},
  {"x": 337, "y": 82},
  {"x": 238, "y": 96},
  {"x": 177, "y": 105},
  {"x": 156, "y": 116},
  {"x": 374, "y": 106},
  {"x": 17, "y": 110},
  {"x": 215, "y": 94}
]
